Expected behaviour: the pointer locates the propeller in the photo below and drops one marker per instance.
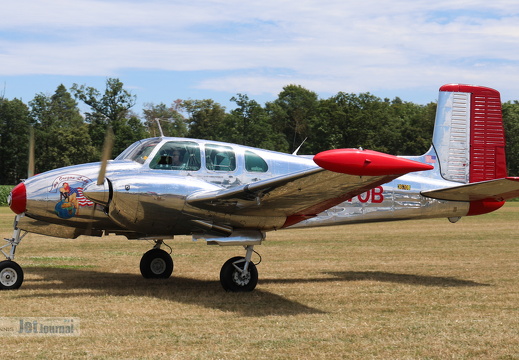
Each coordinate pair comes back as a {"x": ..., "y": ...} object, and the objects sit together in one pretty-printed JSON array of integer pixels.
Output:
[
  {"x": 30, "y": 167},
  {"x": 107, "y": 154}
]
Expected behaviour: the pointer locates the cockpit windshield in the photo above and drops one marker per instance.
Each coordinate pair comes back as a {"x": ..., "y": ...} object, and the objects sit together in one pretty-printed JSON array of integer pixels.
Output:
[{"x": 139, "y": 151}]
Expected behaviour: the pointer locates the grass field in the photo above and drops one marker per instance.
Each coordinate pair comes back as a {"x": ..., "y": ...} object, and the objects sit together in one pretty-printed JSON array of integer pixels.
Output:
[{"x": 405, "y": 290}]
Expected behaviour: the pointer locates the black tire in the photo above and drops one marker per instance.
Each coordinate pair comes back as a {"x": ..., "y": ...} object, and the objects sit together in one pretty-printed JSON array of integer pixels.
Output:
[
  {"x": 11, "y": 275},
  {"x": 156, "y": 264},
  {"x": 231, "y": 278}
]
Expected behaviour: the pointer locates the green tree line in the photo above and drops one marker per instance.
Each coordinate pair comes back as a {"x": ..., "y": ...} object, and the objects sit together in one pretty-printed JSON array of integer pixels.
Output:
[{"x": 65, "y": 136}]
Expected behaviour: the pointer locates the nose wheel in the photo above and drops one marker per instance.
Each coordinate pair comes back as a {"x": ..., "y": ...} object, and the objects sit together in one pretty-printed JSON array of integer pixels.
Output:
[{"x": 11, "y": 275}]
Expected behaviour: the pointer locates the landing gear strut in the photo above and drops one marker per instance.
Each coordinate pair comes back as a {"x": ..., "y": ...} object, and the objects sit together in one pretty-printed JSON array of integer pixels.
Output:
[
  {"x": 11, "y": 274},
  {"x": 156, "y": 263},
  {"x": 239, "y": 274}
]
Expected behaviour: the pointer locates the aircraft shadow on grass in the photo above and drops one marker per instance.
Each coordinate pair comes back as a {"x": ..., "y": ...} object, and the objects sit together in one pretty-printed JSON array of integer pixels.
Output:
[
  {"x": 205, "y": 293},
  {"x": 380, "y": 276},
  {"x": 209, "y": 293}
]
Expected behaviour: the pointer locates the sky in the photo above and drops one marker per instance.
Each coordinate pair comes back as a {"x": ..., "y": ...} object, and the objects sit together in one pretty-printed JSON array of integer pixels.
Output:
[{"x": 214, "y": 49}]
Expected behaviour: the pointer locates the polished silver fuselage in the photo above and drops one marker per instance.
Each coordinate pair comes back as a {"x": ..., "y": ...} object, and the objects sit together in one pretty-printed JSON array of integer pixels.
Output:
[{"x": 149, "y": 201}]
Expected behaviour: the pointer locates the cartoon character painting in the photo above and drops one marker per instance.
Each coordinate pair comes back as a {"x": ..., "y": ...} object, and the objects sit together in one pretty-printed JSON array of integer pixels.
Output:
[{"x": 71, "y": 197}]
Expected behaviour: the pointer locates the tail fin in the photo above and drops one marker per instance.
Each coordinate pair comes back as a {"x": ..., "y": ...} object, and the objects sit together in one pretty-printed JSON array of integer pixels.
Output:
[{"x": 468, "y": 137}]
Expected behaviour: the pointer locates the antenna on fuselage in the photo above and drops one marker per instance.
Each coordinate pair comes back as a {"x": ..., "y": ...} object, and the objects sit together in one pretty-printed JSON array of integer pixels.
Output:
[
  {"x": 299, "y": 147},
  {"x": 160, "y": 128}
]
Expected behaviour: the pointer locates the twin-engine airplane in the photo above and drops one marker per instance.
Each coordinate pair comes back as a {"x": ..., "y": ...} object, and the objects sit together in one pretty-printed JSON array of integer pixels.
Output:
[{"x": 230, "y": 194}]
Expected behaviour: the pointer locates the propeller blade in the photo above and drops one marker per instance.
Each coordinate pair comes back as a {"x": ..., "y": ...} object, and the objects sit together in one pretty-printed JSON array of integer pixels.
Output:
[
  {"x": 107, "y": 154},
  {"x": 30, "y": 167}
]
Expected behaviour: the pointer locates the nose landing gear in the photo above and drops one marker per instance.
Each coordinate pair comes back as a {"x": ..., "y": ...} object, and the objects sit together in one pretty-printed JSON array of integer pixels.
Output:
[{"x": 11, "y": 274}]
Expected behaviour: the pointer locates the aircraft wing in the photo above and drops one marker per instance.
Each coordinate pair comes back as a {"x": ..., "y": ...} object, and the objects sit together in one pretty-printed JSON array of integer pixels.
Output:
[
  {"x": 341, "y": 175},
  {"x": 498, "y": 190}
]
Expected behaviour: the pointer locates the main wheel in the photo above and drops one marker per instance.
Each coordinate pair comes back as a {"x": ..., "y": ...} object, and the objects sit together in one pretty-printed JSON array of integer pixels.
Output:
[
  {"x": 156, "y": 264},
  {"x": 234, "y": 280},
  {"x": 11, "y": 275}
]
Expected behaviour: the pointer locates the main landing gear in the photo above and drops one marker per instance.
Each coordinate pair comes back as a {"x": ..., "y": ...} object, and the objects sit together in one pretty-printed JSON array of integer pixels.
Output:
[
  {"x": 239, "y": 274},
  {"x": 11, "y": 274},
  {"x": 156, "y": 263}
]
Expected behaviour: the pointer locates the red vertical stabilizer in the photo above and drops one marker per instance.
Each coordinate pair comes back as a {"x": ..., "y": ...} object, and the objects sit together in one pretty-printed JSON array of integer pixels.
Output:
[{"x": 486, "y": 135}]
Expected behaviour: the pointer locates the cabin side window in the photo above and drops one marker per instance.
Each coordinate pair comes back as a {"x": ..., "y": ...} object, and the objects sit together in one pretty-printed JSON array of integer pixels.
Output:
[
  {"x": 220, "y": 158},
  {"x": 254, "y": 162},
  {"x": 177, "y": 155}
]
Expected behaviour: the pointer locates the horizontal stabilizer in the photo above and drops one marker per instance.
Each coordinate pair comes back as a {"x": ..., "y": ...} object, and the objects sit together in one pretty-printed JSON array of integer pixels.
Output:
[{"x": 497, "y": 190}]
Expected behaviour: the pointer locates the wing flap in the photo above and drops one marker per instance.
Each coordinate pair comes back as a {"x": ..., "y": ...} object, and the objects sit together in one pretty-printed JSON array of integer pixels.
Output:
[{"x": 497, "y": 190}]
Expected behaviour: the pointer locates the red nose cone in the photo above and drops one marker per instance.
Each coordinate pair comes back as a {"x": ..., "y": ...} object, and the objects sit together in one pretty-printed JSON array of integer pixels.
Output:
[{"x": 18, "y": 199}]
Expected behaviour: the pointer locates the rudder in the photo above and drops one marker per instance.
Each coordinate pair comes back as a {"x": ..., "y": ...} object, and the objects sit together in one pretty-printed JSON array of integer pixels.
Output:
[{"x": 469, "y": 138}]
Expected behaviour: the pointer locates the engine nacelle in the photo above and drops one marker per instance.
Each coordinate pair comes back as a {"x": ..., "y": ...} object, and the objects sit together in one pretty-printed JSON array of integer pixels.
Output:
[{"x": 149, "y": 204}]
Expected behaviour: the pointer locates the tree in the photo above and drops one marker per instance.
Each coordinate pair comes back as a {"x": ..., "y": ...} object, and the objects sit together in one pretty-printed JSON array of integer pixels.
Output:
[
  {"x": 417, "y": 127},
  {"x": 364, "y": 120},
  {"x": 354, "y": 120},
  {"x": 332, "y": 127},
  {"x": 293, "y": 114},
  {"x": 61, "y": 134},
  {"x": 133, "y": 130},
  {"x": 511, "y": 125},
  {"x": 14, "y": 140},
  {"x": 114, "y": 105},
  {"x": 249, "y": 124},
  {"x": 171, "y": 120},
  {"x": 206, "y": 119}
]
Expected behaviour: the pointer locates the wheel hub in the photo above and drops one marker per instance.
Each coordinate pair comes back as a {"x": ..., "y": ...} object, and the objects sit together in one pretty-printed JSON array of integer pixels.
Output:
[
  {"x": 8, "y": 277},
  {"x": 241, "y": 278},
  {"x": 158, "y": 266}
]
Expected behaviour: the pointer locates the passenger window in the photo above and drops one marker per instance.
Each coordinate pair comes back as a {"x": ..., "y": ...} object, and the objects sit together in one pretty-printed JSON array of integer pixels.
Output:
[
  {"x": 177, "y": 155},
  {"x": 220, "y": 158},
  {"x": 254, "y": 162}
]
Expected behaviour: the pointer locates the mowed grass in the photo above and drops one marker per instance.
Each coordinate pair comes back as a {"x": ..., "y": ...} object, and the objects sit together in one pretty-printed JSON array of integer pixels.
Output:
[{"x": 424, "y": 289}]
